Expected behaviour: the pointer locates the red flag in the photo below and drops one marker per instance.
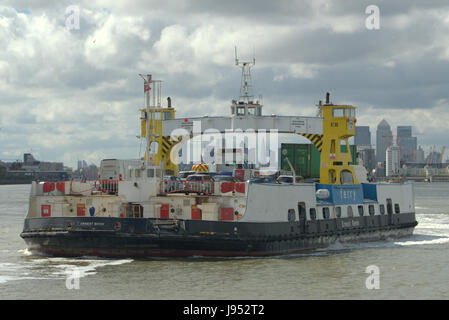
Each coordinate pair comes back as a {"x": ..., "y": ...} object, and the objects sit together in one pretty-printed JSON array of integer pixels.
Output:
[{"x": 146, "y": 88}]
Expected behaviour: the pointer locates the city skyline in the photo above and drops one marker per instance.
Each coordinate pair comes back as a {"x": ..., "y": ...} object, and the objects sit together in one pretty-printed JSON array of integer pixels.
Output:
[{"x": 427, "y": 149}]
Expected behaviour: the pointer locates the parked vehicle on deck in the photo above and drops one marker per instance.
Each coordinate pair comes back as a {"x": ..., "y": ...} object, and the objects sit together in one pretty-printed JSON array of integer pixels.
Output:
[
  {"x": 199, "y": 183},
  {"x": 172, "y": 184}
]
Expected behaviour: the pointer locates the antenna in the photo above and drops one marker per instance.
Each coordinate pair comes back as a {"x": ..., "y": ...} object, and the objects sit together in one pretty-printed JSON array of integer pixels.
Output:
[
  {"x": 235, "y": 55},
  {"x": 254, "y": 55},
  {"x": 151, "y": 87},
  {"x": 319, "y": 109},
  {"x": 246, "y": 83}
]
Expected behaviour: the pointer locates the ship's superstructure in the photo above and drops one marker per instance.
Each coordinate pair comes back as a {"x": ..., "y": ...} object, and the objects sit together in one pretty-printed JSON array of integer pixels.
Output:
[{"x": 140, "y": 212}]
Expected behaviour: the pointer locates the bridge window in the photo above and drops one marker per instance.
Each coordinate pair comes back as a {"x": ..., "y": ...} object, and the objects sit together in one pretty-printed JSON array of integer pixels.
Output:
[
  {"x": 167, "y": 115},
  {"x": 382, "y": 209},
  {"x": 251, "y": 111},
  {"x": 240, "y": 111},
  {"x": 338, "y": 112},
  {"x": 150, "y": 173}
]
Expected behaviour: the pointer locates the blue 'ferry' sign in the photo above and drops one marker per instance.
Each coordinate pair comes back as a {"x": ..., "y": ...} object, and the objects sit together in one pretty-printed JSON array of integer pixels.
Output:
[{"x": 343, "y": 194}]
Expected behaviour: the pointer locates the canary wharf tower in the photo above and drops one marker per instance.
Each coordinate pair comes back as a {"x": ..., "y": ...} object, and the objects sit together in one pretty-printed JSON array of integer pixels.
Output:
[{"x": 384, "y": 139}]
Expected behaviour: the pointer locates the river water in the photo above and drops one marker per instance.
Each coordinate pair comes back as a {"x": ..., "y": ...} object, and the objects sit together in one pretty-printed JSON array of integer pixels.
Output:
[{"x": 410, "y": 268}]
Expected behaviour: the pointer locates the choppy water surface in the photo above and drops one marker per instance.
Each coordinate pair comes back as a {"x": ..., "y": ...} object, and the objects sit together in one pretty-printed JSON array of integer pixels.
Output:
[{"x": 411, "y": 268}]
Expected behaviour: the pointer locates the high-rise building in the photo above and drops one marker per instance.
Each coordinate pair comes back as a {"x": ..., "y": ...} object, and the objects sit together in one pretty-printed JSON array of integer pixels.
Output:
[
  {"x": 404, "y": 131},
  {"x": 368, "y": 157},
  {"x": 407, "y": 144},
  {"x": 82, "y": 164},
  {"x": 392, "y": 160},
  {"x": 420, "y": 155},
  {"x": 362, "y": 136},
  {"x": 384, "y": 139}
]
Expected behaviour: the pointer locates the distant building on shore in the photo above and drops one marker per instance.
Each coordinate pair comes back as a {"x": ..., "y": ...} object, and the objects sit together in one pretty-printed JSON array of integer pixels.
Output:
[
  {"x": 407, "y": 144},
  {"x": 420, "y": 155},
  {"x": 392, "y": 161},
  {"x": 32, "y": 170}
]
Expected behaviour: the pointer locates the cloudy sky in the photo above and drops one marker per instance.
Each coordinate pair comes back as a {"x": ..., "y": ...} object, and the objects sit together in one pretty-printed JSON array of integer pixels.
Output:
[{"x": 68, "y": 94}]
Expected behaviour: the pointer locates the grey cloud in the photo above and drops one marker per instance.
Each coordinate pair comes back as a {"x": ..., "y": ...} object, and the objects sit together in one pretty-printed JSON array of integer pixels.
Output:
[{"x": 392, "y": 68}]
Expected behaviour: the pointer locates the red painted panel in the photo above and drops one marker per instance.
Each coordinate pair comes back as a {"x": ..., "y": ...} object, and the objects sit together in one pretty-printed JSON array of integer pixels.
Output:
[
  {"x": 226, "y": 186},
  {"x": 48, "y": 187},
  {"x": 165, "y": 211},
  {"x": 60, "y": 186},
  {"x": 196, "y": 212},
  {"x": 240, "y": 187},
  {"x": 80, "y": 210},
  {"x": 227, "y": 214},
  {"x": 45, "y": 210},
  {"x": 239, "y": 174}
]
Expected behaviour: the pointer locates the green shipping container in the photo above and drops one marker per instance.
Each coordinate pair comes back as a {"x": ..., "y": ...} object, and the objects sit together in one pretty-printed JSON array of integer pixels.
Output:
[{"x": 305, "y": 158}]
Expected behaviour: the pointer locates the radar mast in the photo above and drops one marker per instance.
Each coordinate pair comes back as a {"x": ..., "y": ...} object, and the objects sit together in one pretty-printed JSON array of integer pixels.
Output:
[{"x": 246, "y": 106}]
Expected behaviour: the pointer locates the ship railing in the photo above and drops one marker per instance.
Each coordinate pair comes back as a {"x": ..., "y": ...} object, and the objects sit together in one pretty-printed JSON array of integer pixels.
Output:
[
  {"x": 108, "y": 186},
  {"x": 171, "y": 186},
  {"x": 204, "y": 187},
  {"x": 61, "y": 188}
]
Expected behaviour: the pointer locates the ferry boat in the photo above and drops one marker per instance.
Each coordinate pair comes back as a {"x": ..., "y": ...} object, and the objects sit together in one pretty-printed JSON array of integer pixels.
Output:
[{"x": 130, "y": 212}]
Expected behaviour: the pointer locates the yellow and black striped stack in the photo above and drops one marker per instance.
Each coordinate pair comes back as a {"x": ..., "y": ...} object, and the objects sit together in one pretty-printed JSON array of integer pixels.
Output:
[
  {"x": 316, "y": 139},
  {"x": 167, "y": 144}
]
